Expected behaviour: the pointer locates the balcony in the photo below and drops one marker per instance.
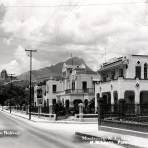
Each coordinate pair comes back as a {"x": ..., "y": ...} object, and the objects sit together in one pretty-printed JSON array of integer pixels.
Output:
[{"x": 80, "y": 91}]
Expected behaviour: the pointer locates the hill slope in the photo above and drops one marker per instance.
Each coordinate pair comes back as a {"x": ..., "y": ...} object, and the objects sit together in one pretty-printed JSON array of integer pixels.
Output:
[{"x": 54, "y": 70}]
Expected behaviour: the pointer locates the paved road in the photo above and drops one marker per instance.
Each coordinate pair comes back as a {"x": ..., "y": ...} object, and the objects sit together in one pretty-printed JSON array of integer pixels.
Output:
[{"x": 30, "y": 136}]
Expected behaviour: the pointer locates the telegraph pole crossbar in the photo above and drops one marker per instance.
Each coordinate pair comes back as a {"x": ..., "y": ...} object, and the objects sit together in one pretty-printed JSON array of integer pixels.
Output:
[{"x": 30, "y": 51}]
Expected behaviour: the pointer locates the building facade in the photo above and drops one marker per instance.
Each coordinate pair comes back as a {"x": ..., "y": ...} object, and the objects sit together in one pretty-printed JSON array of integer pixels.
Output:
[
  {"x": 78, "y": 86},
  {"x": 53, "y": 86},
  {"x": 40, "y": 94},
  {"x": 124, "y": 78}
]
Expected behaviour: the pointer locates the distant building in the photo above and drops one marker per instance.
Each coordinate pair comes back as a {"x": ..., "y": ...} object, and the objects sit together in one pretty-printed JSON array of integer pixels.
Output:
[
  {"x": 40, "y": 94},
  {"x": 53, "y": 86},
  {"x": 5, "y": 76},
  {"x": 76, "y": 86},
  {"x": 124, "y": 78}
]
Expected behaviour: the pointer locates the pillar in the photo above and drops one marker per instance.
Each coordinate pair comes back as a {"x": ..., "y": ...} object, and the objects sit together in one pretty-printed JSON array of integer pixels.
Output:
[
  {"x": 100, "y": 113},
  {"x": 27, "y": 109},
  {"x": 97, "y": 95},
  {"x": 100, "y": 94},
  {"x": 70, "y": 104},
  {"x": 50, "y": 109},
  {"x": 137, "y": 101},
  {"x": 80, "y": 111},
  {"x": 39, "y": 110},
  {"x": 112, "y": 101}
]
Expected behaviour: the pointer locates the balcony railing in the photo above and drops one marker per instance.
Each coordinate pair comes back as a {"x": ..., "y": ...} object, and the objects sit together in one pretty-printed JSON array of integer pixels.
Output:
[{"x": 79, "y": 91}]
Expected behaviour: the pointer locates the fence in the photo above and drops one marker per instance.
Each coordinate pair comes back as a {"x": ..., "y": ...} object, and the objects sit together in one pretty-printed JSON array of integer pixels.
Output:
[
  {"x": 126, "y": 112},
  {"x": 37, "y": 111}
]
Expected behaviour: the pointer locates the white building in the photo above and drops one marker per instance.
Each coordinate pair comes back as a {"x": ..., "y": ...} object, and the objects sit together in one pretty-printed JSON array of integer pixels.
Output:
[
  {"x": 53, "y": 87},
  {"x": 124, "y": 78},
  {"x": 77, "y": 86},
  {"x": 40, "y": 95}
]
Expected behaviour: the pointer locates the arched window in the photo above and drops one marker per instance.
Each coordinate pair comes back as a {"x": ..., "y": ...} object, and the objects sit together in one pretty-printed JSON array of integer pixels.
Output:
[
  {"x": 138, "y": 70},
  {"x": 145, "y": 71}
]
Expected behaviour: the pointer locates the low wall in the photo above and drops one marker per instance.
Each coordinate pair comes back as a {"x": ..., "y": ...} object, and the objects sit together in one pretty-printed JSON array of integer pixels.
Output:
[
  {"x": 47, "y": 116},
  {"x": 137, "y": 126}
]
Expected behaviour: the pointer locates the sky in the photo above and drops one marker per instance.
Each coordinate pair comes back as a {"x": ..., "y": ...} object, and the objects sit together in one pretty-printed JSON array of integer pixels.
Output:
[{"x": 95, "y": 30}]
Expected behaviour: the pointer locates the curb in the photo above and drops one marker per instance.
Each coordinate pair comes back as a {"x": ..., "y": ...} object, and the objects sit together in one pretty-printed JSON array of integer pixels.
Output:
[{"x": 17, "y": 115}]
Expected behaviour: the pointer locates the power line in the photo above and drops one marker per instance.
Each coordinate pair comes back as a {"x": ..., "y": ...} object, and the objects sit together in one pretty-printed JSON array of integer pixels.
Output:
[{"x": 73, "y": 5}]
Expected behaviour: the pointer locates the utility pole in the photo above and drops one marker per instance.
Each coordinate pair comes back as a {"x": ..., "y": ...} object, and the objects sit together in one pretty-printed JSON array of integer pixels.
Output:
[
  {"x": 11, "y": 88},
  {"x": 30, "y": 51}
]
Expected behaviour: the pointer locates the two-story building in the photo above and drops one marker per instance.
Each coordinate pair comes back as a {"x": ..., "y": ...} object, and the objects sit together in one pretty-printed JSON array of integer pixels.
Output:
[
  {"x": 40, "y": 94},
  {"x": 53, "y": 86},
  {"x": 124, "y": 78},
  {"x": 78, "y": 86}
]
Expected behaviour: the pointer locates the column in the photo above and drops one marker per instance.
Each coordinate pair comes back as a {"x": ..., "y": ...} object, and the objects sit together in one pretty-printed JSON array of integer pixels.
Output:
[
  {"x": 50, "y": 106},
  {"x": 121, "y": 103},
  {"x": 96, "y": 102},
  {"x": 70, "y": 103},
  {"x": 137, "y": 101},
  {"x": 95, "y": 97},
  {"x": 112, "y": 101},
  {"x": 81, "y": 111},
  {"x": 121, "y": 90},
  {"x": 97, "y": 92},
  {"x": 50, "y": 109},
  {"x": 39, "y": 110}
]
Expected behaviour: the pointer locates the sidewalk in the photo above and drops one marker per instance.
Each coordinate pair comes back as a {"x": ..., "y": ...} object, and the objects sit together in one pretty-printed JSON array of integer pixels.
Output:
[
  {"x": 25, "y": 116},
  {"x": 123, "y": 137},
  {"x": 45, "y": 119}
]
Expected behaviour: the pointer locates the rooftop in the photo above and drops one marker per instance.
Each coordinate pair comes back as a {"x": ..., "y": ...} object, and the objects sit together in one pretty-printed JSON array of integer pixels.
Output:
[
  {"x": 140, "y": 55},
  {"x": 114, "y": 62}
]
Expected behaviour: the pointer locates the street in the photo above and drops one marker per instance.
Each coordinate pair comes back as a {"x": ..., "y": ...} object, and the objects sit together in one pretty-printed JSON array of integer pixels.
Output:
[{"x": 41, "y": 135}]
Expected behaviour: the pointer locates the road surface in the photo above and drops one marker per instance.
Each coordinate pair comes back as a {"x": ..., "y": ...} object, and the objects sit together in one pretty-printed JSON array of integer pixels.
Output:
[{"x": 31, "y": 135}]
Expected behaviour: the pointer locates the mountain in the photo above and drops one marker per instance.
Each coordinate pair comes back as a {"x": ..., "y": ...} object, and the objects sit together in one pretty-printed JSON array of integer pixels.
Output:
[{"x": 52, "y": 71}]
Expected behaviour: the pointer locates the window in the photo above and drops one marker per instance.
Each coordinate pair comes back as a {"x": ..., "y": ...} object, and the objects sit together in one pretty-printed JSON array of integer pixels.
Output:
[
  {"x": 138, "y": 72},
  {"x": 145, "y": 71},
  {"x": 53, "y": 102},
  {"x": 121, "y": 72},
  {"x": 104, "y": 78},
  {"x": 39, "y": 93},
  {"x": 113, "y": 74},
  {"x": 54, "y": 88},
  {"x": 84, "y": 85},
  {"x": 73, "y": 85},
  {"x": 47, "y": 102}
]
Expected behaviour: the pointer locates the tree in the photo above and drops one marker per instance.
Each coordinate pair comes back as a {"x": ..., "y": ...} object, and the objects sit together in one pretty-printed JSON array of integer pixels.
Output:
[
  {"x": 91, "y": 106},
  {"x": 18, "y": 95}
]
